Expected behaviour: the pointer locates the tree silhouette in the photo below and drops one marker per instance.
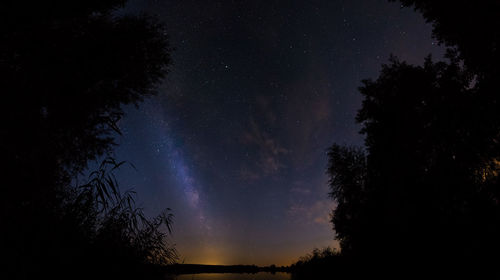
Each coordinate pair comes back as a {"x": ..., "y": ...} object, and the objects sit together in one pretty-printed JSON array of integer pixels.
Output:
[
  {"x": 425, "y": 189},
  {"x": 347, "y": 170},
  {"x": 66, "y": 68},
  {"x": 428, "y": 181},
  {"x": 470, "y": 31},
  {"x": 468, "y": 26}
]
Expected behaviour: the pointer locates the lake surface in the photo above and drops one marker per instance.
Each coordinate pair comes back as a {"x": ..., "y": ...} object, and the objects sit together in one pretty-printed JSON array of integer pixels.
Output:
[{"x": 236, "y": 276}]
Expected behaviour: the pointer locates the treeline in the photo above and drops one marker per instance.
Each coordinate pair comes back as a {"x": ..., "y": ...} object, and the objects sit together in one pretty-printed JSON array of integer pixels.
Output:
[
  {"x": 200, "y": 268},
  {"x": 320, "y": 263},
  {"x": 423, "y": 194},
  {"x": 66, "y": 70}
]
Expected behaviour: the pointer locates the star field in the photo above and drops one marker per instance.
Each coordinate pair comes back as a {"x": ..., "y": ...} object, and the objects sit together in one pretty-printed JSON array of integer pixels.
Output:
[{"x": 235, "y": 141}]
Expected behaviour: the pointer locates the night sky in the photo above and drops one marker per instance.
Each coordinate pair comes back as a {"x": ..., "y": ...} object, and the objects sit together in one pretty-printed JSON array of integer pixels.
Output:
[{"x": 235, "y": 141}]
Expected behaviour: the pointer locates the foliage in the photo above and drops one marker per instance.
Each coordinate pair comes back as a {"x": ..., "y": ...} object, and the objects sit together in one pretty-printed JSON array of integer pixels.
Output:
[
  {"x": 428, "y": 179},
  {"x": 418, "y": 185},
  {"x": 320, "y": 264},
  {"x": 318, "y": 254},
  {"x": 67, "y": 68},
  {"x": 468, "y": 26},
  {"x": 98, "y": 231},
  {"x": 347, "y": 170},
  {"x": 117, "y": 220}
]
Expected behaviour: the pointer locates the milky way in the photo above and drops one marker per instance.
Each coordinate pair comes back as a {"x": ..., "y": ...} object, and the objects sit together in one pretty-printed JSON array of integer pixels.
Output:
[{"x": 182, "y": 174}]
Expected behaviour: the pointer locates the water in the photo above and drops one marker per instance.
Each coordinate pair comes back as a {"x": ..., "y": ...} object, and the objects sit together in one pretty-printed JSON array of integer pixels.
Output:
[{"x": 236, "y": 276}]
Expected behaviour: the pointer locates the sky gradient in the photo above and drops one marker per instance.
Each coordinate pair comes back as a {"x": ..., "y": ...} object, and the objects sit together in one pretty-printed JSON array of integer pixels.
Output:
[{"x": 235, "y": 142}]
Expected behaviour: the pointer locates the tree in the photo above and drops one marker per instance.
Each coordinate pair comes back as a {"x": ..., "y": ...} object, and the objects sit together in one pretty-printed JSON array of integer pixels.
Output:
[
  {"x": 347, "y": 170},
  {"x": 432, "y": 153},
  {"x": 418, "y": 192},
  {"x": 469, "y": 29},
  {"x": 66, "y": 68},
  {"x": 468, "y": 26}
]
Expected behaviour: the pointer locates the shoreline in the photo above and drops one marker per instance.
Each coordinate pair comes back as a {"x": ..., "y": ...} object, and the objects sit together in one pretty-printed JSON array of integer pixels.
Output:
[{"x": 203, "y": 268}]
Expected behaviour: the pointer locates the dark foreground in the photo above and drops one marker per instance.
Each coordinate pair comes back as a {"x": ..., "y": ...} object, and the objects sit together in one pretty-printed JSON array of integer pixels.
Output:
[
  {"x": 235, "y": 276},
  {"x": 200, "y": 268}
]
